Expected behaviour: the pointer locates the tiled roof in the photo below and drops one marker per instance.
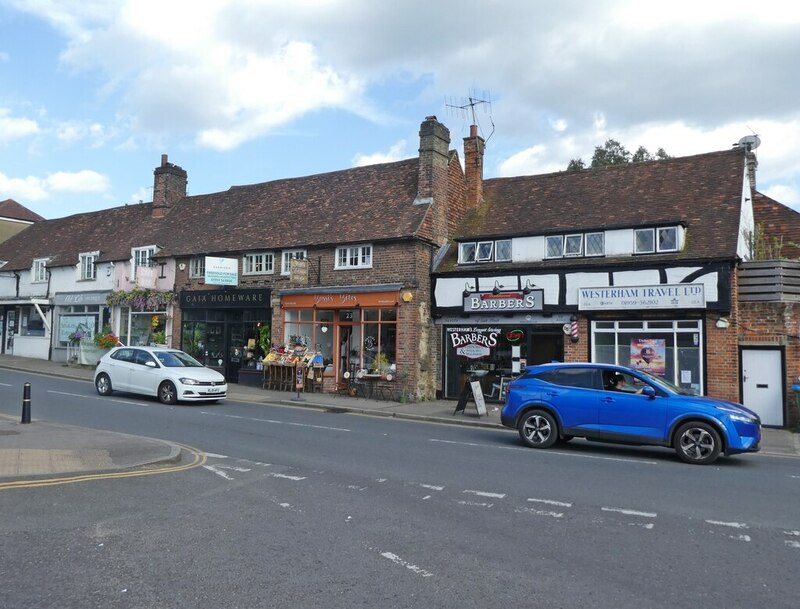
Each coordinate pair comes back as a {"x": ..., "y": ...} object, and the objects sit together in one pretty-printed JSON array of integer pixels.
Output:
[
  {"x": 111, "y": 231},
  {"x": 702, "y": 191},
  {"x": 11, "y": 209},
  {"x": 369, "y": 203},
  {"x": 779, "y": 223}
]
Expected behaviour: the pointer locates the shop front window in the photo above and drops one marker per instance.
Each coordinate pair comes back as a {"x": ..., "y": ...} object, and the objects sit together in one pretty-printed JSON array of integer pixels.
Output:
[
  {"x": 666, "y": 348},
  {"x": 31, "y": 323}
]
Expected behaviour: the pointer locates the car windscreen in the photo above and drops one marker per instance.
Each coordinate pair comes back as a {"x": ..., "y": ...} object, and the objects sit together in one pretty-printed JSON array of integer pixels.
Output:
[{"x": 177, "y": 359}]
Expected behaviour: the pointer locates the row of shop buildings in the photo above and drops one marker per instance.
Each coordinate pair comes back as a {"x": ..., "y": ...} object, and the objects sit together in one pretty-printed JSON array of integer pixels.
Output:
[{"x": 426, "y": 273}]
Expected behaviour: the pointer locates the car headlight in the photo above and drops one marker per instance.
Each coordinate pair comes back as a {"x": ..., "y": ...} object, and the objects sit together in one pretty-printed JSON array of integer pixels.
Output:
[
  {"x": 742, "y": 417},
  {"x": 188, "y": 381}
]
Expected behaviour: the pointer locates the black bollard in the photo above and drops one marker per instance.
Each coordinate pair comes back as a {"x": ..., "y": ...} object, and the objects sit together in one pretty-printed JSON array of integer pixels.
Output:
[{"x": 26, "y": 403}]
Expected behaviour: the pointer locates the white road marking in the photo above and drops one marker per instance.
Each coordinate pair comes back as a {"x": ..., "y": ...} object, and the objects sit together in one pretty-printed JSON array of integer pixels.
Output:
[
  {"x": 274, "y": 422},
  {"x": 550, "y": 502},
  {"x": 216, "y": 456},
  {"x": 527, "y": 510},
  {"x": 285, "y": 505},
  {"x": 735, "y": 525},
  {"x": 217, "y": 471},
  {"x": 354, "y": 487},
  {"x": 792, "y": 543},
  {"x": 75, "y": 395},
  {"x": 740, "y": 537},
  {"x": 630, "y": 512},
  {"x": 97, "y": 397},
  {"x": 543, "y": 452},
  {"x": 792, "y": 533},
  {"x": 286, "y": 477},
  {"x": 399, "y": 561},
  {"x": 426, "y": 497},
  {"x": 381, "y": 480},
  {"x": 432, "y": 487},
  {"x": 648, "y": 525},
  {"x": 485, "y": 494},
  {"x": 6, "y": 385},
  {"x": 234, "y": 468},
  {"x": 476, "y": 504}
]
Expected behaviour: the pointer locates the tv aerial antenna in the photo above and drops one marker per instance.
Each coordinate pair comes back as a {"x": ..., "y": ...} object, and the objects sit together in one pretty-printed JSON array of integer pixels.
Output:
[{"x": 466, "y": 107}]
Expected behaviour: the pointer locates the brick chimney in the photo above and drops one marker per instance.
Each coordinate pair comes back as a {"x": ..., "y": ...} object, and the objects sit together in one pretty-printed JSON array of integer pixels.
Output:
[
  {"x": 474, "y": 146},
  {"x": 169, "y": 187},
  {"x": 434, "y": 145},
  {"x": 752, "y": 165}
]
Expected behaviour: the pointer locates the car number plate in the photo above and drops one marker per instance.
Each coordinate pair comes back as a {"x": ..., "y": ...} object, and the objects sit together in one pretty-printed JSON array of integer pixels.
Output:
[{"x": 215, "y": 390}]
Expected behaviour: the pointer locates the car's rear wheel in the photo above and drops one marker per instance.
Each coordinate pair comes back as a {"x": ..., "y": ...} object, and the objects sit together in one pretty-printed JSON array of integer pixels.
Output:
[
  {"x": 698, "y": 443},
  {"x": 538, "y": 429},
  {"x": 103, "y": 384},
  {"x": 167, "y": 394}
]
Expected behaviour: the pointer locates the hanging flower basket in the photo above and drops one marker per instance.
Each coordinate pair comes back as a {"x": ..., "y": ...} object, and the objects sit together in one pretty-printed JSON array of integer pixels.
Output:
[{"x": 141, "y": 299}]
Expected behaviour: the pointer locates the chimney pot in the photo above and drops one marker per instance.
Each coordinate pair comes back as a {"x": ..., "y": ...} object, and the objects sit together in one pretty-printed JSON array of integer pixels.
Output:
[{"x": 163, "y": 160}]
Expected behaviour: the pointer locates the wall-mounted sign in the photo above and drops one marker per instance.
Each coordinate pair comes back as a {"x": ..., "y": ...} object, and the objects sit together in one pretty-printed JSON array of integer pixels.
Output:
[
  {"x": 222, "y": 271},
  {"x": 473, "y": 343},
  {"x": 487, "y": 302},
  {"x": 258, "y": 298},
  {"x": 340, "y": 300},
  {"x": 665, "y": 296},
  {"x": 514, "y": 336}
]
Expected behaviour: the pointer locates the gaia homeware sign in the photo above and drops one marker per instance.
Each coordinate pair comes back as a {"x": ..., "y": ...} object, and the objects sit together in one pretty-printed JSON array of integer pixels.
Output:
[{"x": 505, "y": 301}]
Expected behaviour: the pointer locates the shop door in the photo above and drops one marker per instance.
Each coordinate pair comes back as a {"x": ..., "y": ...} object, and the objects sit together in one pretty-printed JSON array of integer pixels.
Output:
[
  {"x": 236, "y": 346},
  {"x": 8, "y": 338},
  {"x": 762, "y": 384}
]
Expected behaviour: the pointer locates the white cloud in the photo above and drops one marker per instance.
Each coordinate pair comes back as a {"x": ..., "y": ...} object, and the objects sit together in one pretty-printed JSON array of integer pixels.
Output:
[
  {"x": 395, "y": 153},
  {"x": 14, "y": 128},
  {"x": 23, "y": 189},
  {"x": 77, "y": 181}
]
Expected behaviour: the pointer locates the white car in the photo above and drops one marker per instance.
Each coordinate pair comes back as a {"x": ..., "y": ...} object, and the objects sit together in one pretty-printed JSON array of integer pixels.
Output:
[{"x": 169, "y": 374}]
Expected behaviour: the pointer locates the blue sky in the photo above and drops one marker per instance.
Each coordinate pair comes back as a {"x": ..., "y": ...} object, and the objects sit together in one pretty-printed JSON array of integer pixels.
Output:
[{"x": 246, "y": 91}]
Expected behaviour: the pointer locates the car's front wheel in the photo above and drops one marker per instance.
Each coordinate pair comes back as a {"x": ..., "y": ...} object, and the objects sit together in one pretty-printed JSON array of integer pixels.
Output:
[
  {"x": 103, "y": 384},
  {"x": 538, "y": 429},
  {"x": 698, "y": 443},
  {"x": 167, "y": 394}
]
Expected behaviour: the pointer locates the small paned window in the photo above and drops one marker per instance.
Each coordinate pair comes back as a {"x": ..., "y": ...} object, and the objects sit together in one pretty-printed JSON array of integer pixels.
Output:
[
  {"x": 573, "y": 245},
  {"x": 197, "y": 267},
  {"x": 554, "y": 247},
  {"x": 286, "y": 259},
  {"x": 39, "y": 270},
  {"x": 142, "y": 257},
  {"x": 668, "y": 239},
  {"x": 595, "y": 244},
  {"x": 644, "y": 241},
  {"x": 262, "y": 263},
  {"x": 485, "y": 249},
  {"x": 88, "y": 266},
  {"x": 502, "y": 250},
  {"x": 355, "y": 257},
  {"x": 466, "y": 253}
]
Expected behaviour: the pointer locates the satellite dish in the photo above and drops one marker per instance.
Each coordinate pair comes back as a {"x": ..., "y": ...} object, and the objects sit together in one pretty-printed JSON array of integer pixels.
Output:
[{"x": 751, "y": 142}]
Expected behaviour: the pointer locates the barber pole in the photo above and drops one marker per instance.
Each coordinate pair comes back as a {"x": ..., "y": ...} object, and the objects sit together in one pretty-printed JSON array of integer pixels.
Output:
[{"x": 573, "y": 328}]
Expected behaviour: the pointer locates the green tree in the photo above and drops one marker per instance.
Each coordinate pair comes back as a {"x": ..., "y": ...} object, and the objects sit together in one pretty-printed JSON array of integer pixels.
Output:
[{"x": 614, "y": 153}]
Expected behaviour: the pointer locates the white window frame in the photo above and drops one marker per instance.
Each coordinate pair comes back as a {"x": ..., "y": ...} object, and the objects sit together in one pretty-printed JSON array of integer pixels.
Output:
[
  {"x": 39, "y": 270},
  {"x": 464, "y": 256},
  {"x": 602, "y": 251},
  {"x": 674, "y": 229},
  {"x": 579, "y": 251},
  {"x": 354, "y": 257},
  {"x": 258, "y": 263},
  {"x": 142, "y": 256},
  {"x": 87, "y": 263},
  {"x": 636, "y": 250},
  {"x": 197, "y": 267},
  {"x": 286, "y": 259},
  {"x": 485, "y": 256},
  {"x": 497, "y": 250},
  {"x": 547, "y": 240}
]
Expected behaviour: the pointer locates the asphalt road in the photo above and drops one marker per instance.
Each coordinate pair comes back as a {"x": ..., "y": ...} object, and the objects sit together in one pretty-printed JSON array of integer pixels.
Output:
[{"x": 302, "y": 508}]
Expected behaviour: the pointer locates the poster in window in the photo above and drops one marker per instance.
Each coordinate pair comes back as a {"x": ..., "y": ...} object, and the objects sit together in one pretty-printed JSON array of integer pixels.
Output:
[{"x": 649, "y": 354}]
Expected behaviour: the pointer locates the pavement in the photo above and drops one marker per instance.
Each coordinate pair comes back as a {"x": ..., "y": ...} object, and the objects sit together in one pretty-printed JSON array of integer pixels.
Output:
[{"x": 42, "y": 448}]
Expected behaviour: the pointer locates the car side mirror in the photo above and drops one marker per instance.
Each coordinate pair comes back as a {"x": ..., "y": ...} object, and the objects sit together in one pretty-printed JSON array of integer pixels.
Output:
[
  {"x": 649, "y": 392},
  {"x": 151, "y": 364}
]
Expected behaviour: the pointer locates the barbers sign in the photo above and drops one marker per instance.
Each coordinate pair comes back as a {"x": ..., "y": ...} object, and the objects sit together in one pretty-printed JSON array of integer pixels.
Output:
[
  {"x": 473, "y": 343},
  {"x": 511, "y": 302}
]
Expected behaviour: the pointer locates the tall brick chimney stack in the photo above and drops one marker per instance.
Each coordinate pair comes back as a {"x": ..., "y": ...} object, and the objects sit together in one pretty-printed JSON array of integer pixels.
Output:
[
  {"x": 752, "y": 165},
  {"x": 474, "y": 146},
  {"x": 169, "y": 187},
  {"x": 434, "y": 145}
]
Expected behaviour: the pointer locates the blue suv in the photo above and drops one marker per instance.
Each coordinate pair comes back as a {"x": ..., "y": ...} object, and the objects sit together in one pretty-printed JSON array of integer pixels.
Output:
[{"x": 608, "y": 403}]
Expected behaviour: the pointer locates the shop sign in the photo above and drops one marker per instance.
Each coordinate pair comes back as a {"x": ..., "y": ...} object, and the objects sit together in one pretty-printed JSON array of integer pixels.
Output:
[
  {"x": 222, "y": 271},
  {"x": 340, "y": 300},
  {"x": 514, "y": 336},
  {"x": 473, "y": 343},
  {"x": 80, "y": 298},
  {"x": 478, "y": 302},
  {"x": 664, "y": 296},
  {"x": 225, "y": 299}
]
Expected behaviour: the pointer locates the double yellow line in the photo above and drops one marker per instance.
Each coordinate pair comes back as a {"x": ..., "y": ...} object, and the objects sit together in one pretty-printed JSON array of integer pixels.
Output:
[{"x": 198, "y": 459}]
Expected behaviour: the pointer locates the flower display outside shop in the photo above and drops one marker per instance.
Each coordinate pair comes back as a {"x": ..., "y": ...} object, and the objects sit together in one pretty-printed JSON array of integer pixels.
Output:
[
  {"x": 141, "y": 299},
  {"x": 106, "y": 341},
  {"x": 76, "y": 337}
]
